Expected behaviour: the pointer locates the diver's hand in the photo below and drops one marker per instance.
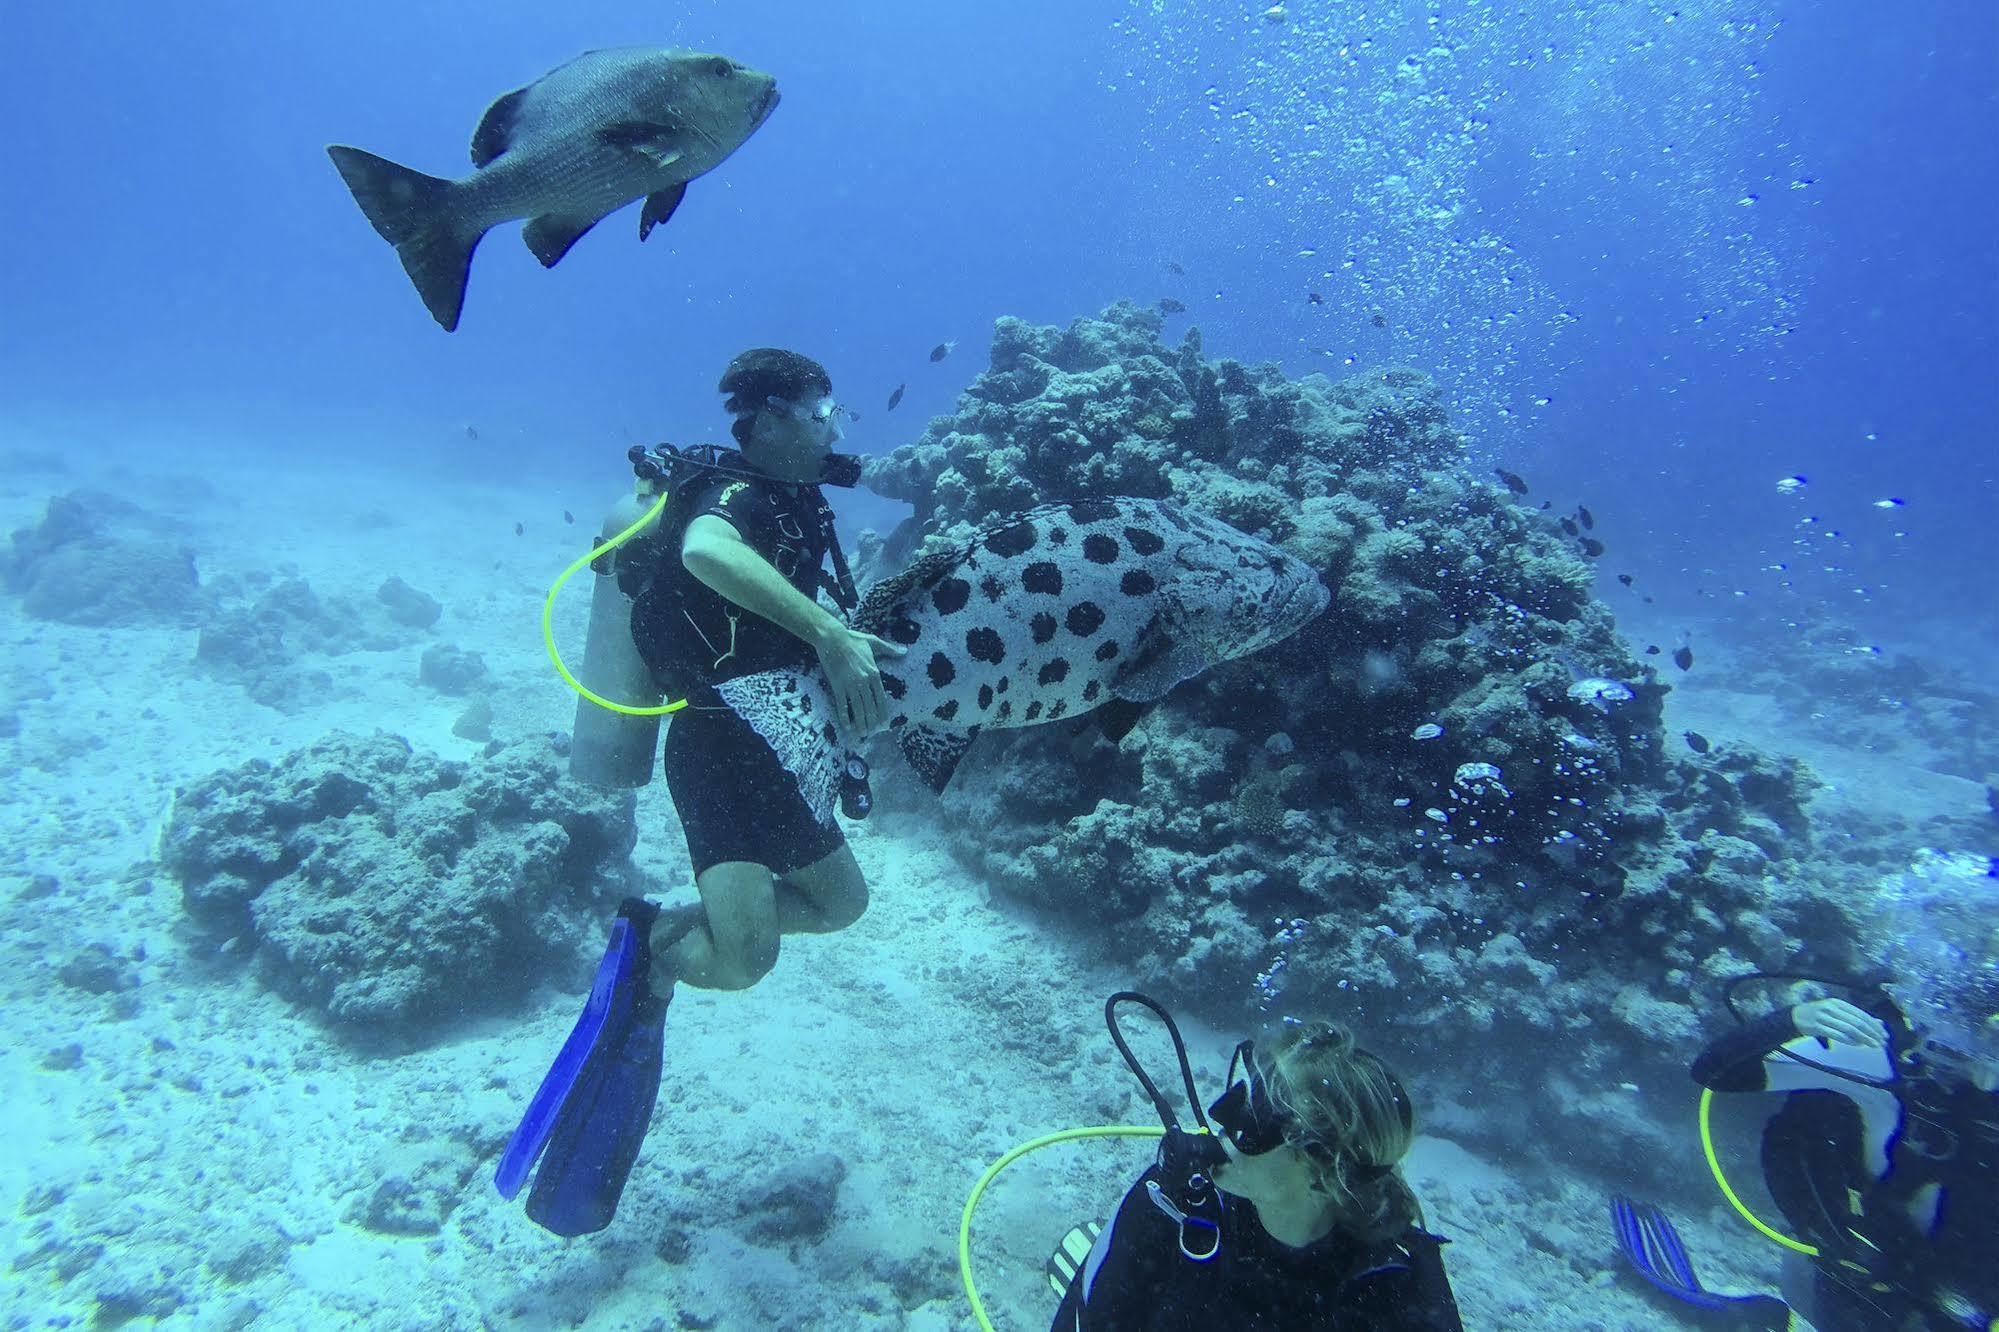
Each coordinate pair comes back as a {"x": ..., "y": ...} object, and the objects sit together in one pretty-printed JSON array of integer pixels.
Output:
[
  {"x": 848, "y": 658},
  {"x": 1839, "y": 1022}
]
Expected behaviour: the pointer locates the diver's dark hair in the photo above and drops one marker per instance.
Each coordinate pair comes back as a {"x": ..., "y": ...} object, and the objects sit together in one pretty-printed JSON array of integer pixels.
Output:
[{"x": 769, "y": 372}]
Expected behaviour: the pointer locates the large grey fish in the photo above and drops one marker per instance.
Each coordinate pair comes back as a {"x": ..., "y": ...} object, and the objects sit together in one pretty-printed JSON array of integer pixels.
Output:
[
  {"x": 580, "y": 142},
  {"x": 1101, "y": 604}
]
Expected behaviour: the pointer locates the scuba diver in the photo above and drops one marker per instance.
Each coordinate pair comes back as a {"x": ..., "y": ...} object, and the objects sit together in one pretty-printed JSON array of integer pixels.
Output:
[
  {"x": 1884, "y": 1156},
  {"x": 1291, "y": 1214},
  {"x": 720, "y": 582}
]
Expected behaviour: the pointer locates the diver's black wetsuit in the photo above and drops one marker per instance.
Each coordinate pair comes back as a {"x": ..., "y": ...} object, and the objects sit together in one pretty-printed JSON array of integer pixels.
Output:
[
  {"x": 735, "y": 800},
  {"x": 1896, "y": 1185},
  {"x": 1137, "y": 1278}
]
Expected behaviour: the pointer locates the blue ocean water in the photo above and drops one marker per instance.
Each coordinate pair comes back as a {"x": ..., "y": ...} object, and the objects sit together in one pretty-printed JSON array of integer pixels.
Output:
[{"x": 1659, "y": 256}]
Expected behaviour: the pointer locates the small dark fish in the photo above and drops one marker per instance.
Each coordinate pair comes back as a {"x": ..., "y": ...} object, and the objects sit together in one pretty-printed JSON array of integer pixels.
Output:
[
  {"x": 1315, "y": 298},
  {"x": 1651, "y": 649},
  {"x": 1547, "y": 505},
  {"x": 1569, "y": 526},
  {"x": 1683, "y": 657},
  {"x": 853, "y": 415},
  {"x": 1510, "y": 480},
  {"x": 1592, "y": 547},
  {"x": 1588, "y": 518},
  {"x": 1697, "y": 742},
  {"x": 1380, "y": 320},
  {"x": 568, "y": 517},
  {"x": 896, "y": 397},
  {"x": 471, "y": 432},
  {"x": 520, "y": 529},
  {"x": 1167, "y": 305},
  {"x": 1624, "y": 579},
  {"x": 1175, "y": 269},
  {"x": 1648, "y": 599},
  {"x": 941, "y": 350}
]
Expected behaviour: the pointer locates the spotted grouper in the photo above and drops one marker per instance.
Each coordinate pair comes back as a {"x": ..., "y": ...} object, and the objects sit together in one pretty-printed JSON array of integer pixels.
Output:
[{"x": 1063, "y": 610}]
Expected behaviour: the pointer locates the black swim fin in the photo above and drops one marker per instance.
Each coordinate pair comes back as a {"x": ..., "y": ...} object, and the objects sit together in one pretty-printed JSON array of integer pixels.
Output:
[{"x": 589, "y": 1117}]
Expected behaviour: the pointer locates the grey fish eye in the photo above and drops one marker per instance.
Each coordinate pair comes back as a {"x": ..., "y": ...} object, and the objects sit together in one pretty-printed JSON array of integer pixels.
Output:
[{"x": 722, "y": 69}]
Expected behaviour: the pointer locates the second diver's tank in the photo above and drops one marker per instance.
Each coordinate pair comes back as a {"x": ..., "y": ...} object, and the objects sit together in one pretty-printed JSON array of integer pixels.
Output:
[{"x": 609, "y": 748}]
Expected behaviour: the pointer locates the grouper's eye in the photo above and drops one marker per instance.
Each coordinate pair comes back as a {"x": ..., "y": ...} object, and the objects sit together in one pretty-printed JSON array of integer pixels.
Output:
[{"x": 722, "y": 69}]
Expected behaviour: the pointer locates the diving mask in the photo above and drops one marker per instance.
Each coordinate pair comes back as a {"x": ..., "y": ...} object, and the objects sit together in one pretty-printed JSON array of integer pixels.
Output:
[{"x": 1254, "y": 1123}]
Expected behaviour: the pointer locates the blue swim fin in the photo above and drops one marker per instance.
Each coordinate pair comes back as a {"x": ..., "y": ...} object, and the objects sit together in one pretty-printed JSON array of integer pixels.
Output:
[
  {"x": 1654, "y": 1249},
  {"x": 589, "y": 1116}
]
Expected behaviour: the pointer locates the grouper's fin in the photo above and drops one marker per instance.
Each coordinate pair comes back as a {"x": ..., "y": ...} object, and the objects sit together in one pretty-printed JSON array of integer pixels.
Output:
[
  {"x": 659, "y": 208},
  {"x": 1116, "y": 718},
  {"x": 1162, "y": 658},
  {"x": 934, "y": 752},
  {"x": 793, "y": 712},
  {"x": 551, "y": 235},
  {"x": 496, "y": 128},
  {"x": 651, "y": 140},
  {"x": 416, "y": 214},
  {"x": 873, "y": 615}
]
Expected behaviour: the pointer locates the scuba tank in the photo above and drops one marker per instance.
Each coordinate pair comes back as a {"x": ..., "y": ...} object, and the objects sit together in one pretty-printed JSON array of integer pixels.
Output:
[{"x": 613, "y": 748}]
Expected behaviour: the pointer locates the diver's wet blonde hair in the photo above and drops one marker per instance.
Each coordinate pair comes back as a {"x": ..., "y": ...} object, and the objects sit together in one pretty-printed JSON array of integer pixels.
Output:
[{"x": 1354, "y": 1123}]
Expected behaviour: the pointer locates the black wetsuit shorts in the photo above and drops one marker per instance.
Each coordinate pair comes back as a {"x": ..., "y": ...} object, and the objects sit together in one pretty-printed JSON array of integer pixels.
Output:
[{"x": 736, "y": 801}]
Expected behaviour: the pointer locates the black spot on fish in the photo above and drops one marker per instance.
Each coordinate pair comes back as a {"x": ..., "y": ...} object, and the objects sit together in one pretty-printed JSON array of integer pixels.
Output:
[
  {"x": 893, "y": 686},
  {"x": 994, "y": 587},
  {"x": 1683, "y": 657},
  {"x": 900, "y": 719},
  {"x": 1011, "y": 541},
  {"x": 1004, "y": 681},
  {"x": 1043, "y": 577},
  {"x": 946, "y": 710},
  {"x": 1033, "y": 711},
  {"x": 830, "y": 733},
  {"x": 1043, "y": 625},
  {"x": 1091, "y": 690},
  {"x": 1005, "y": 710},
  {"x": 1144, "y": 542},
  {"x": 1592, "y": 547},
  {"x": 985, "y": 698},
  {"x": 1136, "y": 583},
  {"x": 903, "y": 630},
  {"x": 895, "y": 398},
  {"x": 1511, "y": 480},
  {"x": 1061, "y": 706},
  {"x": 1697, "y": 742},
  {"x": 1107, "y": 649},
  {"x": 1092, "y": 511},
  {"x": 1175, "y": 520},
  {"x": 1055, "y": 672},
  {"x": 1058, "y": 536},
  {"x": 1100, "y": 549},
  {"x": 1084, "y": 618},
  {"x": 950, "y": 596},
  {"x": 942, "y": 672},
  {"x": 1588, "y": 518},
  {"x": 984, "y": 644}
]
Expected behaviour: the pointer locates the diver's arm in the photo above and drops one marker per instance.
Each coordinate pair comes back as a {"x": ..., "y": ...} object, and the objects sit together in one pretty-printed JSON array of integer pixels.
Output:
[
  {"x": 716, "y": 553},
  {"x": 1733, "y": 1062}
]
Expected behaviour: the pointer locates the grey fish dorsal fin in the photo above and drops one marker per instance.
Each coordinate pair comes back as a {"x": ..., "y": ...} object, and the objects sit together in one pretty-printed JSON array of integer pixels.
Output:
[
  {"x": 496, "y": 128},
  {"x": 934, "y": 752}
]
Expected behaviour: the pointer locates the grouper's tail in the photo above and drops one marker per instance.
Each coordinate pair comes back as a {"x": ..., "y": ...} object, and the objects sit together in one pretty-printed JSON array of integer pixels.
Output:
[{"x": 418, "y": 215}]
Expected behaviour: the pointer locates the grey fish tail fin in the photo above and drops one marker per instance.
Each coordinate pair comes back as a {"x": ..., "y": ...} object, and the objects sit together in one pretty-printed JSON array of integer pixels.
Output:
[{"x": 416, "y": 214}]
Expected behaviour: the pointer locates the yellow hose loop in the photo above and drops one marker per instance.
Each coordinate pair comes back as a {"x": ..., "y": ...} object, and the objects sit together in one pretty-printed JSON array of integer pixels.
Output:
[
  {"x": 548, "y": 623},
  {"x": 1714, "y": 1164},
  {"x": 992, "y": 1171}
]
